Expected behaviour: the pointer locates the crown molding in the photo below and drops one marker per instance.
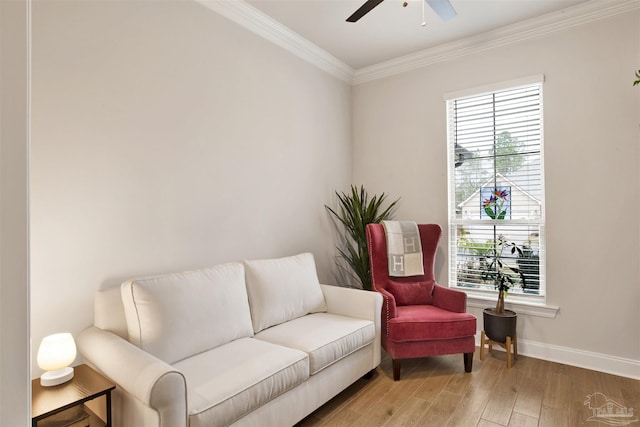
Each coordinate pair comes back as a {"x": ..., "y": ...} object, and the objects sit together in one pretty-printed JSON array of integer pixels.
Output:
[
  {"x": 584, "y": 13},
  {"x": 252, "y": 19}
]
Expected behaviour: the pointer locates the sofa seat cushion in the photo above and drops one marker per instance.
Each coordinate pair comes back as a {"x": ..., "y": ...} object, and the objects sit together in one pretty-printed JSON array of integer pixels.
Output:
[
  {"x": 282, "y": 289},
  {"x": 175, "y": 316},
  {"x": 230, "y": 381},
  {"x": 428, "y": 322},
  {"x": 326, "y": 337}
]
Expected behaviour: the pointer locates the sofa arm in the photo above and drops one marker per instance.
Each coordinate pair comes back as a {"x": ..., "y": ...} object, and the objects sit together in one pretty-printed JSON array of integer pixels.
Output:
[
  {"x": 356, "y": 303},
  {"x": 449, "y": 299},
  {"x": 352, "y": 302},
  {"x": 153, "y": 382}
]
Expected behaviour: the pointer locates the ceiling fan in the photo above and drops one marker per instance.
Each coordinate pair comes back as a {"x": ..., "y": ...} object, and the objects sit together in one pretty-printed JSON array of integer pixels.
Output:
[{"x": 443, "y": 8}]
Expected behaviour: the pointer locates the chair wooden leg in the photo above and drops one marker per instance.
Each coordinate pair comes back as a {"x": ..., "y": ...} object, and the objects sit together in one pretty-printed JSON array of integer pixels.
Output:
[
  {"x": 396, "y": 369},
  {"x": 468, "y": 362}
]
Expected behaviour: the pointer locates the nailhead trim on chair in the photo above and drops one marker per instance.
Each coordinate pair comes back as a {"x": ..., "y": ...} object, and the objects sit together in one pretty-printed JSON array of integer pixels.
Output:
[
  {"x": 386, "y": 301},
  {"x": 373, "y": 286}
]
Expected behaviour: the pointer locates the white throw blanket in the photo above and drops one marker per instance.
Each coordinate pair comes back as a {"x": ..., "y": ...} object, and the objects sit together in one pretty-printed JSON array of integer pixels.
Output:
[{"x": 404, "y": 250}]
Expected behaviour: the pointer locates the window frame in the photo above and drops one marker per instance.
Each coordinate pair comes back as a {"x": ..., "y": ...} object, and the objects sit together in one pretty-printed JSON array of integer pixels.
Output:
[{"x": 534, "y": 304}]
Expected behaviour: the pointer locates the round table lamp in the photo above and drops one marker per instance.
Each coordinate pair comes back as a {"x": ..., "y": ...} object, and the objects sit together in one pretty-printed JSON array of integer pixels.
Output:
[{"x": 55, "y": 354}]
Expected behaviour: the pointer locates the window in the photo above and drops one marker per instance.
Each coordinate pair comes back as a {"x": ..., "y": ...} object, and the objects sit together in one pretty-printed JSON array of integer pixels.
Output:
[{"x": 496, "y": 191}]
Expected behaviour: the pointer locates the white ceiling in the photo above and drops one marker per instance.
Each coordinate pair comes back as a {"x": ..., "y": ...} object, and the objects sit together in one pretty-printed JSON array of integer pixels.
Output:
[{"x": 390, "y": 30}]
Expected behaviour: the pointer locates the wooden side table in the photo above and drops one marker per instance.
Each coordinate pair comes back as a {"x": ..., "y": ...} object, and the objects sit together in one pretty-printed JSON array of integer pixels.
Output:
[{"x": 86, "y": 385}]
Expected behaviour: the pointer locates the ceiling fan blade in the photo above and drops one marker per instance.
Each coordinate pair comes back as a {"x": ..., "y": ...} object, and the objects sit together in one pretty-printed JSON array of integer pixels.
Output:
[
  {"x": 363, "y": 10},
  {"x": 443, "y": 8}
]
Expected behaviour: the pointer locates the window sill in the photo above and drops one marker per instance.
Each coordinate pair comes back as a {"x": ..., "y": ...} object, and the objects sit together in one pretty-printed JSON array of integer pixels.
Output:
[{"x": 519, "y": 304}]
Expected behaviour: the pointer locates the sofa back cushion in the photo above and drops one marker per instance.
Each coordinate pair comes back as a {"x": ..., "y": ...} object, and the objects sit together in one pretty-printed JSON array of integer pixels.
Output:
[
  {"x": 108, "y": 311},
  {"x": 178, "y": 315},
  {"x": 282, "y": 289}
]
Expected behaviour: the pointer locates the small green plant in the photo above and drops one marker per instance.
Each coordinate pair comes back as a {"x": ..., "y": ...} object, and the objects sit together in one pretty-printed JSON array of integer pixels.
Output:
[
  {"x": 502, "y": 275},
  {"x": 637, "y": 82},
  {"x": 355, "y": 210},
  {"x": 478, "y": 249}
]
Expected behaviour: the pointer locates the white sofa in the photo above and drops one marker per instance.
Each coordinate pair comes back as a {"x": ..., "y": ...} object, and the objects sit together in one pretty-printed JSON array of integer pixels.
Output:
[{"x": 253, "y": 343}]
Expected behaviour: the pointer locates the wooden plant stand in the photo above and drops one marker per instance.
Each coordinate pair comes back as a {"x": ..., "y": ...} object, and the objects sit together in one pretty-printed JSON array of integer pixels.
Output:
[{"x": 511, "y": 342}]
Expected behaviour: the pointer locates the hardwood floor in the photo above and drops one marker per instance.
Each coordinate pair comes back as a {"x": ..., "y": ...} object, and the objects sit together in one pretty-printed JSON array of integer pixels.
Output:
[{"x": 436, "y": 392}]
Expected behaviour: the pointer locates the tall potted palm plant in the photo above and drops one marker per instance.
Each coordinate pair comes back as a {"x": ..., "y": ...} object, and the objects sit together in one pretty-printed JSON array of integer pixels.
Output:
[{"x": 355, "y": 210}]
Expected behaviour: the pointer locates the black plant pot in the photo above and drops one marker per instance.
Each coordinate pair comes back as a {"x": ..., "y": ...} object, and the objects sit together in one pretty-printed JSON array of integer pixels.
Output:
[{"x": 499, "y": 326}]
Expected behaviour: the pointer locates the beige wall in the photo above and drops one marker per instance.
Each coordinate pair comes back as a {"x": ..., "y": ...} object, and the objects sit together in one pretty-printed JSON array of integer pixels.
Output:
[
  {"x": 14, "y": 252},
  {"x": 592, "y": 144},
  {"x": 166, "y": 138}
]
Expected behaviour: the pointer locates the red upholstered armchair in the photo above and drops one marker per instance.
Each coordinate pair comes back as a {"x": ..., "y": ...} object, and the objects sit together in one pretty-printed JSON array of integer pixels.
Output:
[{"x": 419, "y": 317}]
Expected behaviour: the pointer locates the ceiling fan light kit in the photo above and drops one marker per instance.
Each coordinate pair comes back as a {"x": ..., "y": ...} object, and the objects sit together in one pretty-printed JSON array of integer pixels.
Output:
[{"x": 443, "y": 8}]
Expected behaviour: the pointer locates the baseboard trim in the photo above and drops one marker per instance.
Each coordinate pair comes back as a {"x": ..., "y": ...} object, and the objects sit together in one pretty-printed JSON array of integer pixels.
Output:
[{"x": 575, "y": 357}]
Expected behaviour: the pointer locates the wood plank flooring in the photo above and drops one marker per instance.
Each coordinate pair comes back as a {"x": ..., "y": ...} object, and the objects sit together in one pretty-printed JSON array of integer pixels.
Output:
[{"x": 435, "y": 391}]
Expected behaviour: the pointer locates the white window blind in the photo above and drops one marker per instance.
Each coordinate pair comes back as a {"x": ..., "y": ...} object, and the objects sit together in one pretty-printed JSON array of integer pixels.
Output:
[{"x": 496, "y": 189}]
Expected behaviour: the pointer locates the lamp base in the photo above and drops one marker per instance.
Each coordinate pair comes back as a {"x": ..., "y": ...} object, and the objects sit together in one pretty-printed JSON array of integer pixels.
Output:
[{"x": 51, "y": 378}]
